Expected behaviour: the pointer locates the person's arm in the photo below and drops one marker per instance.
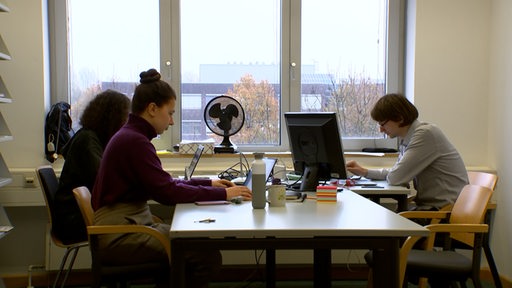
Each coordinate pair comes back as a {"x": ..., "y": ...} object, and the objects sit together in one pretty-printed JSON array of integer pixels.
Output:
[
  {"x": 162, "y": 187},
  {"x": 377, "y": 174},
  {"x": 356, "y": 169}
]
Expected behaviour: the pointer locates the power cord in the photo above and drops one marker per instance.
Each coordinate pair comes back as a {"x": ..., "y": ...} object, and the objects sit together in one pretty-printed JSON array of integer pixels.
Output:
[{"x": 236, "y": 170}]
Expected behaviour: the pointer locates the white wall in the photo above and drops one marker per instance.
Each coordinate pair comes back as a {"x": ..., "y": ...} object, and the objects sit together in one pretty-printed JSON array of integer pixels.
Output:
[
  {"x": 500, "y": 102},
  {"x": 460, "y": 80},
  {"x": 22, "y": 31},
  {"x": 451, "y": 72}
]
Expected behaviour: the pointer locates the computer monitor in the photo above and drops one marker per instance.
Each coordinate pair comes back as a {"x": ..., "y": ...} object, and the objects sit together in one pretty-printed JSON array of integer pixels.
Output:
[{"x": 315, "y": 143}]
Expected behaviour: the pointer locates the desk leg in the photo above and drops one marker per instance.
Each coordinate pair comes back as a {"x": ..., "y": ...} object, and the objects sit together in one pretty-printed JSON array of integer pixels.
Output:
[
  {"x": 177, "y": 265},
  {"x": 322, "y": 268},
  {"x": 375, "y": 199},
  {"x": 271, "y": 268},
  {"x": 386, "y": 269},
  {"x": 402, "y": 204}
]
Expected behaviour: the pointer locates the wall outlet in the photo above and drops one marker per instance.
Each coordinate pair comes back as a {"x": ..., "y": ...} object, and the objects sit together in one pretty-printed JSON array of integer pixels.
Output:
[{"x": 29, "y": 182}]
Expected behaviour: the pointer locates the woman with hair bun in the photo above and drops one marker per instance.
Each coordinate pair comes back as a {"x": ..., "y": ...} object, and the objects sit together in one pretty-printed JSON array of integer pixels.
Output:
[{"x": 131, "y": 174}]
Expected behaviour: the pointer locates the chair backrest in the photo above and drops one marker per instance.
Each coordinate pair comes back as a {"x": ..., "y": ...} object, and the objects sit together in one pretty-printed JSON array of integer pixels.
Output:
[
  {"x": 83, "y": 198},
  {"x": 470, "y": 208},
  {"x": 471, "y": 205},
  {"x": 485, "y": 179},
  {"x": 49, "y": 184}
]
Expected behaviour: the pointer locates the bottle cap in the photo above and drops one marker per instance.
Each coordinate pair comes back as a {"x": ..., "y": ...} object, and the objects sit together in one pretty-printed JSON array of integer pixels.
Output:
[{"x": 258, "y": 155}]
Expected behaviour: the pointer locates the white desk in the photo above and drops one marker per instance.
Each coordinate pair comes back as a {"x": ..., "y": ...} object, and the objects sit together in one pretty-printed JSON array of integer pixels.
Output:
[
  {"x": 354, "y": 222},
  {"x": 384, "y": 190}
]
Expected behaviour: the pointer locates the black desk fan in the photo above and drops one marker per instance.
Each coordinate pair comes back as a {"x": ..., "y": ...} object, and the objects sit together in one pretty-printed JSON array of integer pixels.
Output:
[{"x": 224, "y": 116}]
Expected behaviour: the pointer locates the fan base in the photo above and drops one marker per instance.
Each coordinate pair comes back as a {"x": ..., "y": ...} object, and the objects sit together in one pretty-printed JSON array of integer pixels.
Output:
[{"x": 225, "y": 149}]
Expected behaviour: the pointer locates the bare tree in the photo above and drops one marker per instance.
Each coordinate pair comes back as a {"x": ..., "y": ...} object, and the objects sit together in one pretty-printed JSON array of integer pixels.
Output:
[{"x": 352, "y": 99}]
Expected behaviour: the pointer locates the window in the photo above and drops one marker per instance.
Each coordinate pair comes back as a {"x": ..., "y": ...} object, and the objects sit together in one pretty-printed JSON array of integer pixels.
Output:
[
  {"x": 109, "y": 44},
  {"x": 234, "y": 52},
  {"x": 272, "y": 56},
  {"x": 343, "y": 60}
]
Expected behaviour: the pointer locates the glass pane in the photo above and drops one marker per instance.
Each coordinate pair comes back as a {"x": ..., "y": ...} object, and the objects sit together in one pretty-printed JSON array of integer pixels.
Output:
[
  {"x": 343, "y": 60},
  {"x": 110, "y": 43},
  {"x": 231, "y": 47}
]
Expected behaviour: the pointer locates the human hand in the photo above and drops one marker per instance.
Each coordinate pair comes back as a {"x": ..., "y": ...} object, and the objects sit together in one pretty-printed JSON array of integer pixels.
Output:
[
  {"x": 222, "y": 183},
  {"x": 356, "y": 169},
  {"x": 237, "y": 190}
]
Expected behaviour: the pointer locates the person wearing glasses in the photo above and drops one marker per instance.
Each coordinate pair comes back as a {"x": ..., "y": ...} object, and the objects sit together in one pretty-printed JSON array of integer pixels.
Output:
[{"x": 426, "y": 156}]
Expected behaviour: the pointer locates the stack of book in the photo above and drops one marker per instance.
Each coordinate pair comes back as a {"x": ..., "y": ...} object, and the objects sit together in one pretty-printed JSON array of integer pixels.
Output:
[{"x": 326, "y": 194}]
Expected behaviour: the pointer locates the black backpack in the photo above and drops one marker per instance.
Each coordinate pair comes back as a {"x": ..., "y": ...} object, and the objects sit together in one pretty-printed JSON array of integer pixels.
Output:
[{"x": 57, "y": 130}]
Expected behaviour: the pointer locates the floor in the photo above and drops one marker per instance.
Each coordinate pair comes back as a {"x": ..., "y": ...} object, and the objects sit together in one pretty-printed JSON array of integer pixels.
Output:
[{"x": 308, "y": 284}]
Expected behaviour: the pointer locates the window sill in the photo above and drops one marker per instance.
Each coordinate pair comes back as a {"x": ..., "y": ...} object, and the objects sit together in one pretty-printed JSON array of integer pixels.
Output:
[{"x": 286, "y": 155}]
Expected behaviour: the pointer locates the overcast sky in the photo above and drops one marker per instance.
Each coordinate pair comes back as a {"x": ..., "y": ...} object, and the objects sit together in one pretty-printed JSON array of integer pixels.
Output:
[{"x": 126, "y": 32}]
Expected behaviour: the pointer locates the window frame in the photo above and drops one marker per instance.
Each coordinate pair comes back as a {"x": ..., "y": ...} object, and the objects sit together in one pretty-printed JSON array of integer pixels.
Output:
[{"x": 170, "y": 68}]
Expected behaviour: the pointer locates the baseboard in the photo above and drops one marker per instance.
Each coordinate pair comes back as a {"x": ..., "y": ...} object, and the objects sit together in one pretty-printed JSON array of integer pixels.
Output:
[
  {"x": 284, "y": 272},
  {"x": 485, "y": 274}
]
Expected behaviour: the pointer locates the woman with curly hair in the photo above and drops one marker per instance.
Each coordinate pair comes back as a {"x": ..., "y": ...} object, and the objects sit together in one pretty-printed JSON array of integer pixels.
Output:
[{"x": 101, "y": 119}]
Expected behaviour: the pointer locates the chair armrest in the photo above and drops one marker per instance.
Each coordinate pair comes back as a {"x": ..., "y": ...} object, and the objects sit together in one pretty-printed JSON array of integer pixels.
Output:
[
  {"x": 458, "y": 228},
  {"x": 453, "y": 228},
  {"x": 425, "y": 214},
  {"x": 126, "y": 229}
]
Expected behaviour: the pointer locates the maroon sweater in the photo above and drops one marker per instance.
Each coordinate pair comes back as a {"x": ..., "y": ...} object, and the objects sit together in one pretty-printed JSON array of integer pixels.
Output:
[{"x": 130, "y": 171}]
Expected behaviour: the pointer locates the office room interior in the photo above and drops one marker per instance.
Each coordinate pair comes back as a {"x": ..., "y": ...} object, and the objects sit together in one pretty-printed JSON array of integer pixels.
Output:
[{"x": 458, "y": 73}]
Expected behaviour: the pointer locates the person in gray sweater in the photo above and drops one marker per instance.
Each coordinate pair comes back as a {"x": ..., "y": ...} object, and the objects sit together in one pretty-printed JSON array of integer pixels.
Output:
[{"x": 426, "y": 156}]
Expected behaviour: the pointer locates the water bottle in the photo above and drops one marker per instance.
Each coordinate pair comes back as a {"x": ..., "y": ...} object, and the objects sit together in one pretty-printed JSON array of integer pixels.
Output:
[{"x": 259, "y": 182}]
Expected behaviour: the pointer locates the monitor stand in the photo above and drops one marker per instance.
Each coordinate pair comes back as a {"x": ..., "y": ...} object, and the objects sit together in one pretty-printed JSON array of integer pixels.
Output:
[{"x": 309, "y": 178}]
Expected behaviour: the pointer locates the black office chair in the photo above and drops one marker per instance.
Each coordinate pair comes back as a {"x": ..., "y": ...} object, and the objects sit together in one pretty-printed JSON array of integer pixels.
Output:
[{"x": 49, "y": 185}]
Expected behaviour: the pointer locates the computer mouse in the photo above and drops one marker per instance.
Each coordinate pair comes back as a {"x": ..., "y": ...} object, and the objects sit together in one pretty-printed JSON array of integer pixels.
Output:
[{"x": 238, "y": 180}]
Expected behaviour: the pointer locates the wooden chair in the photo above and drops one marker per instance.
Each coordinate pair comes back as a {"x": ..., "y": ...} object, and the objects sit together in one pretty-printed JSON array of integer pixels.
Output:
[
  {"x": 488, "y": 180},
  {"x": 484, "y": 179},
  {"x": 49, "y": 185},
  {"x": 111, "y": 274},
  {"x": 465, "y": 218}
]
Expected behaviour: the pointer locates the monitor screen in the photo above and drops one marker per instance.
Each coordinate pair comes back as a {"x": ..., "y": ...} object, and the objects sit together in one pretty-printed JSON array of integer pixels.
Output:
[{"x": 315, "y": 143}]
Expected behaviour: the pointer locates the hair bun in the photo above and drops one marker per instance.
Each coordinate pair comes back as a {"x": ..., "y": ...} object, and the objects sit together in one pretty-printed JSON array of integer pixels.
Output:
[{"x": 149, "y": 76}]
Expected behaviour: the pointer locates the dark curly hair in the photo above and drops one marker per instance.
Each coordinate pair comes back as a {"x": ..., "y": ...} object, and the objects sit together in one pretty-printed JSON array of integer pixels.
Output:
[
  {"x": 151, "y": 90},
  {"x": 394, "y": 107},
  {"x": 106, "y": 114}
]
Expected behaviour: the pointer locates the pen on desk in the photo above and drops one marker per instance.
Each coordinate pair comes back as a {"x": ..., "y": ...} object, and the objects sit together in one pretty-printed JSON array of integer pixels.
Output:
[{"x": 207, "y": 220}]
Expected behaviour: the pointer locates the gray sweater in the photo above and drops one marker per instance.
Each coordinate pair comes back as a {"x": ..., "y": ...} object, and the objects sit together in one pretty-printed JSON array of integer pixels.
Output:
[{"x": 433, "y": 164}]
